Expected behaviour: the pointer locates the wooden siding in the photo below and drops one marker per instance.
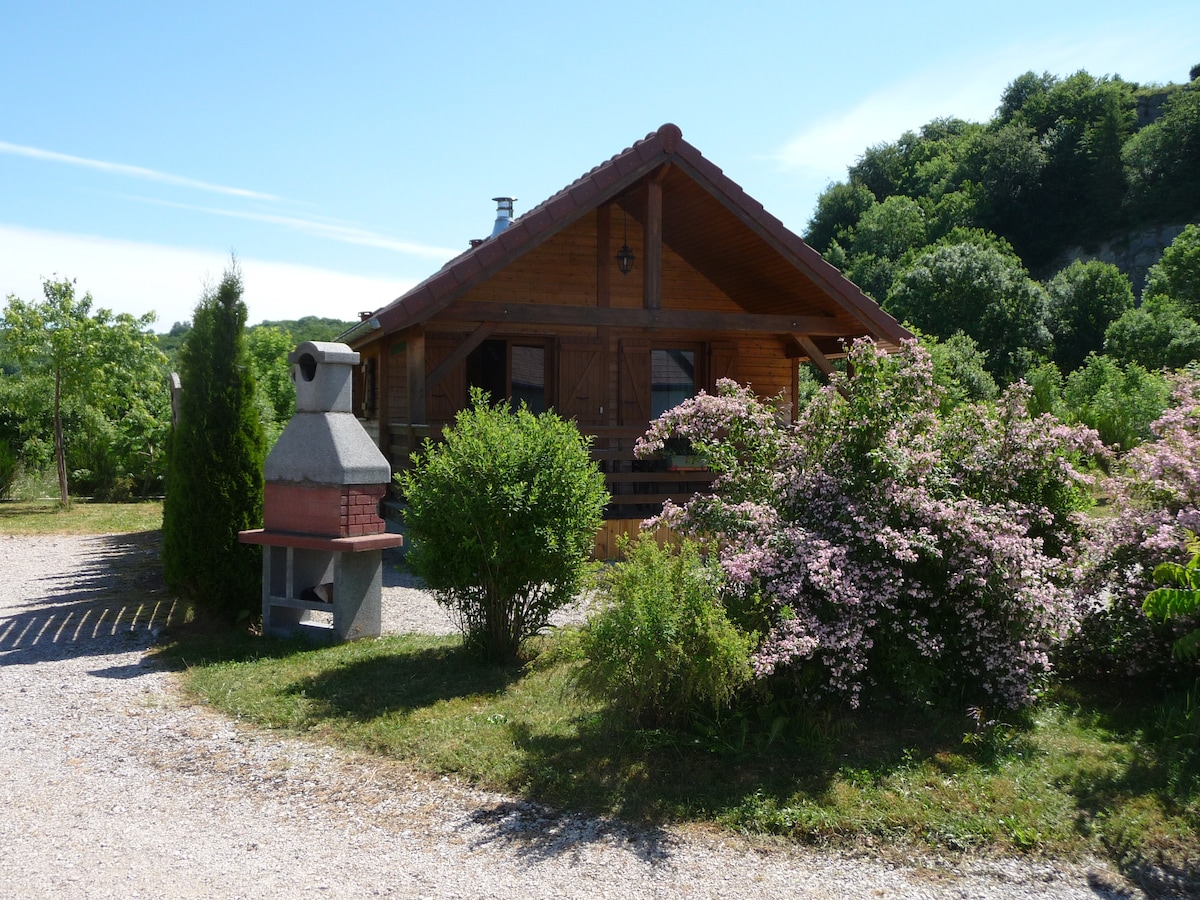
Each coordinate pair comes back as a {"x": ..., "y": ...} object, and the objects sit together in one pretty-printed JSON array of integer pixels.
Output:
[
  {"x": 397, "y": 380},
  {"x": 562, "y": 272},
  {"x": 611, "y": 532}
]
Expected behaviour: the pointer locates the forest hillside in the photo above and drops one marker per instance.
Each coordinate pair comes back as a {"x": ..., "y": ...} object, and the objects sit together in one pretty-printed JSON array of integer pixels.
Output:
[{"x": 1040, "y": 234}]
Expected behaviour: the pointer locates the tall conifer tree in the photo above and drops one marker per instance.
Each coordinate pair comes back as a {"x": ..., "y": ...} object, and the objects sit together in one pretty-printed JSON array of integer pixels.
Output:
[{"x": 215, "y": 462}]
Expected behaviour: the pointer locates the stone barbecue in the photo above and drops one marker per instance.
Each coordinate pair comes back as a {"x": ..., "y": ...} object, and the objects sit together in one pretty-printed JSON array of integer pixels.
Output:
[{"x": 322, "y": 535}]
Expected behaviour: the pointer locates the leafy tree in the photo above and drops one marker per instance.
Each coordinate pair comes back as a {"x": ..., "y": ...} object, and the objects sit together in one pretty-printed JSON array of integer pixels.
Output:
[
  {"x": 1028, "y": 89},
  {"x": 839, "y": 207},
  {"x": 959, "y": 370},
  {"x": 881, "y": 170},
  {"x": 891, "y": 228},
  {"x": 310, "y": 328},
  {"x": 1059, "y": 166},
  {"x": 884, "y": 234},
  {"x": 267, "y": 349},
  {"x": 1045, "y": 382},
  {"x": 1164, "y": 331},
  {"x": 215, "y": 462},
  {"x": 1158, "y": 334},
  {"x": 170, "y": 342},
  {"x": 981, "y": 291},
  {"x": 959, "y": 208},
  {"x": 1176, "y": 276},
  {"x": 1162, "y": 161},
  {"x": 503, "y": 517},
  {"x": 874, "y": 274},
  {"x": 107, "y": 367},
  {"x": 938, "y": 158},
  {"x": 1003, "y": 167},
  {"x": 1084, "y": 299},
  {"x": 923, "y": 164},
  {"x": 8, "y": 468},
  {"x": 1079, "y": 124}
]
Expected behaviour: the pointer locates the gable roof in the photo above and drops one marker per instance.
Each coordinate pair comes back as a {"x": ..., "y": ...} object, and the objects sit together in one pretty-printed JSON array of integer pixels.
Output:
[{"x": 706, "y": 218}]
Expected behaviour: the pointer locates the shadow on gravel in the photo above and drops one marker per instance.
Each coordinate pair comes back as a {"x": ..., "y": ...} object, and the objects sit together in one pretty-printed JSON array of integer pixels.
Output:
[
  {"x": 117, "y": 593},
  {"x": 538, "y": 833}
]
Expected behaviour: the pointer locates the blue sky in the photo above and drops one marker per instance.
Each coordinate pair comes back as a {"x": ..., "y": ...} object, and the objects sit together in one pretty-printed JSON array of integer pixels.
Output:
[{"x": 344, "y": 152}]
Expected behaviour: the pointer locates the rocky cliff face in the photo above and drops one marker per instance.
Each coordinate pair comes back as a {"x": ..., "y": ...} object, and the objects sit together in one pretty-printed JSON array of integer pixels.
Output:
[
  {"x": 1150, "y": 106},
  {"x": 1133, "y": 253}
]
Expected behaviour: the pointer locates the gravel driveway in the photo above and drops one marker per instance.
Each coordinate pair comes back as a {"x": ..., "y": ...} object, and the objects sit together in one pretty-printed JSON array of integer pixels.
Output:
[{"x": 113, "y": 785}]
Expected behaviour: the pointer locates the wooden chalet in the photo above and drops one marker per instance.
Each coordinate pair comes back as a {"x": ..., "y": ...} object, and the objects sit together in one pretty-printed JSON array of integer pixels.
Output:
[{"x": 542, "y": 311}]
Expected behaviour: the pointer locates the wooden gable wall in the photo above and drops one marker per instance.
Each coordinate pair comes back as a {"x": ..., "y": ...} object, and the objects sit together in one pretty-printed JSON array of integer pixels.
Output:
[
  {"x": 598, "y": 375},
  {"x": 563, "y": 271}
]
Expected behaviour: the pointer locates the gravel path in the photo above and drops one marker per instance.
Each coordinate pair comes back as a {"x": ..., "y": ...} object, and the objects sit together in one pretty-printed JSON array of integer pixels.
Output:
[{"x": 112, "y": 785}]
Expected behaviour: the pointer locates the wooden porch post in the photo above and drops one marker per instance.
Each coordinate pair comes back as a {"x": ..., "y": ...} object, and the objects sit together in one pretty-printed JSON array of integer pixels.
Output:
[
  {"x": 415, "y": 360},
  {"x": 383, "y": 404},
  {"x": 604, "y": 266}
]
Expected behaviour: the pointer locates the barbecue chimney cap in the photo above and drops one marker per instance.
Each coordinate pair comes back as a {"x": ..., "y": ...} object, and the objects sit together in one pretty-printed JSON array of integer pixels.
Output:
[
  {"x": 323, "y": 352},
  {"x": 322, "y": 372}
]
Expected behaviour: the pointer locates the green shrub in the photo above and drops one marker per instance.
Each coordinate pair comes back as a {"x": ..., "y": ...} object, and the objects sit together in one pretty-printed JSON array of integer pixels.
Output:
[
  {"x": 502, "y": 518},
  {"x": 661, "y": 646},
  {"x": 1119, "y": 402},
  {"x": 1179, "y": 598}
]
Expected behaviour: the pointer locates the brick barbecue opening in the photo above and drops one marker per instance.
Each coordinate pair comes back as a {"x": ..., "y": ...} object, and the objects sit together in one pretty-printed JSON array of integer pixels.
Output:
[{"x": 322, "y": 536}]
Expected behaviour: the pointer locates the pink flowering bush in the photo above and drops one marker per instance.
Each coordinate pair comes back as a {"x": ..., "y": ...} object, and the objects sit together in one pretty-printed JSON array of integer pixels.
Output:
[
  {"x": 1156, "y": 501},
  {"x": 894, "y": 553}
]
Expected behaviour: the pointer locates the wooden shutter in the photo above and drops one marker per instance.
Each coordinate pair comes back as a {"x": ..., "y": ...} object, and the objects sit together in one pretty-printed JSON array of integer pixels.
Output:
[
  {"x": 449, "y": 395},
  {"x": 722, "y": 362},
  {"x": 633, "y": 382},
  {"x": 580, "y": 380}
]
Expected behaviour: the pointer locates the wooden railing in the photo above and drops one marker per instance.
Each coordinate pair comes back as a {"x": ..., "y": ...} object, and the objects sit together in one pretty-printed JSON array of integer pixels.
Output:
[
  {"x": 638, "y": 487},
  {"x": 403, "y": 439}
]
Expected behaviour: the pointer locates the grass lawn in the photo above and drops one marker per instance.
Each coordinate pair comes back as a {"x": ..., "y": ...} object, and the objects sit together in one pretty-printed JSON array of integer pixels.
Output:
[
  {"x": 82, "y": 517},
  {"x": 1111, "y": 773}
]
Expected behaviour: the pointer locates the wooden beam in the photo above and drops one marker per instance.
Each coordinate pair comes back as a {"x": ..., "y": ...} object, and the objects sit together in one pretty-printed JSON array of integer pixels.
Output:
[
  {"x": 818, "y": 358},
  {"x": 652, "y": 246},
  {"x": 414, "y": 357},
  {"x": 604, "y": 262},
  {"x": 854, "y": 302},
  {"x": 458, "y": 354},
  {"x": 620, "y": 317},
  {"x": 824, "y": 366}
]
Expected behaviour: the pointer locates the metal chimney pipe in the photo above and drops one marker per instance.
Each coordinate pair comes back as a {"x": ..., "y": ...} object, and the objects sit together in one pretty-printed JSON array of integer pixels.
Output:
[{"x": 504, "y": 213}]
